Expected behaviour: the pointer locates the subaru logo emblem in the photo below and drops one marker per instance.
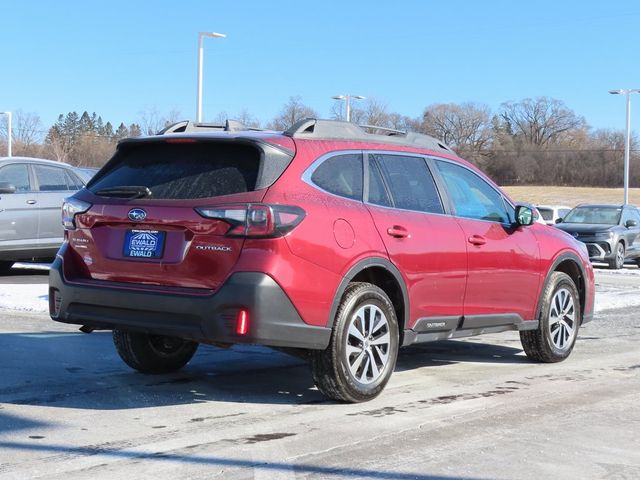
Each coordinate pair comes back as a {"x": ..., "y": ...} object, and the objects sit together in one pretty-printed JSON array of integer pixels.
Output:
[{"x": 137, "y": 215}]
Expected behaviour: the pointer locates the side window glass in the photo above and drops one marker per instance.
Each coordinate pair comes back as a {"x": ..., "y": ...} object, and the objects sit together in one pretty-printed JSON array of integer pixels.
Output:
[
  {"x": 412, "y": 186},
  {"x": 17, "y": 175},
  {"x": 73, "y": 181},
  {"x": 51, "y": 179},
  {"x": 341, "y": 175},
  {"x": 472, "y": 197},
  {"x": 378, "y": 194}
]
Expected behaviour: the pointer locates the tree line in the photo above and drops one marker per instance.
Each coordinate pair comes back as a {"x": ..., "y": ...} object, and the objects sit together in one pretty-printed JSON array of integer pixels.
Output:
[{"x": 532, "y": 141}]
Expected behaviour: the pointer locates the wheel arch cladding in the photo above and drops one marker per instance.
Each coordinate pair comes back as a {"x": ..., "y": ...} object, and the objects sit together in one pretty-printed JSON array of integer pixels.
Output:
[
  {"x": 382, "y": 273},
  {"x": 570, "y": 264}
]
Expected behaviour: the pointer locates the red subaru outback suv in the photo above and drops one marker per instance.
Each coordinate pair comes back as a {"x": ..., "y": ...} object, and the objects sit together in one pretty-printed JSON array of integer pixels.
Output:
[{"x": 324, "y": 239}]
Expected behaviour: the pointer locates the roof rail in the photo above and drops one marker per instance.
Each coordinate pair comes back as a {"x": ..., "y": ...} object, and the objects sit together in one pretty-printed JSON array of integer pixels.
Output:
[
  {"x": 390, "y": 131},
  {"x": 189, "y": 126},
  {"x": 313, "y": 128}
]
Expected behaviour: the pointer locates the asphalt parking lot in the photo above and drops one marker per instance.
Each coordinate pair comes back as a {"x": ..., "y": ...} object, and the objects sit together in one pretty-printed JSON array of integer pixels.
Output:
[{"x": 476, "y": 409}]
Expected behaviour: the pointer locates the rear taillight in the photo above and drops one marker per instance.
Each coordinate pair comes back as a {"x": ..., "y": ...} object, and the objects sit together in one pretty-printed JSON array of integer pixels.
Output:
[
  {"x": 256, "y": 220},
  {"x": 70, "y": 208}
]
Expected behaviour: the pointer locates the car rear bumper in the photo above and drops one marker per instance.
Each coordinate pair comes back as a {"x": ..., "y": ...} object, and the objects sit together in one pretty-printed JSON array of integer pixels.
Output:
[{"x": 273, "y": 320}]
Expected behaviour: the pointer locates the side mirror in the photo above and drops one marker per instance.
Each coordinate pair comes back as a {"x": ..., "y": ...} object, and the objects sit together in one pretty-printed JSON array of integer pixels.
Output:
[
  {"x": 631, "y": 223},
  {"x": 558, "y": 220},
  {"x": 6, "y": 187},
  {"x": 524, "y": 215}
]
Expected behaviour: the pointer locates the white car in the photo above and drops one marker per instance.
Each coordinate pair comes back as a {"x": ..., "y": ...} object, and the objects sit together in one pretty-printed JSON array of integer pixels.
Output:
[
  {"x": 31, "y": 193},
  {"x": 551, "y": 213}
]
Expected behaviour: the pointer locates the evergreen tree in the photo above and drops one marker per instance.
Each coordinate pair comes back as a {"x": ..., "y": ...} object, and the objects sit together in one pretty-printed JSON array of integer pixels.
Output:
[
  {"x": 135, "y": 130},
  {"x": 122, "y": 131}
]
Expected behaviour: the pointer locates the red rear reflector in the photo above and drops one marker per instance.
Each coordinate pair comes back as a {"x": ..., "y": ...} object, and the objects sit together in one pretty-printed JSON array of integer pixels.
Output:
[
  {"x": 181, "y": 140},
  {"x": 242, "y": 322}
]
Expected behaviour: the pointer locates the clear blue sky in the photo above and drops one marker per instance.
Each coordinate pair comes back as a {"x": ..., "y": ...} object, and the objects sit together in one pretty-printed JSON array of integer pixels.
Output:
[{"x": 118, "y": 58}]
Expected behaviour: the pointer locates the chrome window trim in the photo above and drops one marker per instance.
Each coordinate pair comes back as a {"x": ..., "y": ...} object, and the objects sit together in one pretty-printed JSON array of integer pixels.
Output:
[{"x": 307, "y": 174}]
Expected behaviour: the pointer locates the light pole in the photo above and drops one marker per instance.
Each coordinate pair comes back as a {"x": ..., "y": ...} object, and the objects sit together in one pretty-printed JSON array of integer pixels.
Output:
[
  {"x": 627, "y": 142},
  {"x": 8, "y": 114},
  {"x": 347, "y": 99},
  {"x": 201, "y": 36}
]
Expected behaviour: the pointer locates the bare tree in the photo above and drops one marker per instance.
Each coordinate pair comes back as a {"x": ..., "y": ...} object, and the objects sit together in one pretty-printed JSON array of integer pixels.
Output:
[
  {"x": 542, "y": 121},
  {"x": 371, "y": 112},
  {"x": 465, "y": 127},
  {"x": 292, "y": 112},
  {"x": 152, "y": 121},
  {"x": 27, "y": 133}
]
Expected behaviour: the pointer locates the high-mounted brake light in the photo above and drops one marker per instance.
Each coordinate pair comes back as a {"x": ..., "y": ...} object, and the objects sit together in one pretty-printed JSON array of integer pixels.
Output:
[
  {"x": 256, "y": 220},
  {"x": 181, "y": 140},
  {"x": 242, "y": 322},
  {"x": 70, "y": 208}
]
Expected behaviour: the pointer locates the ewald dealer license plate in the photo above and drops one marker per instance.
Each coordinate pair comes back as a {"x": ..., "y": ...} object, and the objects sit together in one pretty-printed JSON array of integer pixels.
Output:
[{"x": 144, "y": 243}]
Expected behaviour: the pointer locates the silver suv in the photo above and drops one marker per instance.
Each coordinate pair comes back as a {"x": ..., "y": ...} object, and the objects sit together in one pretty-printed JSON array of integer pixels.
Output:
[{"x": 31, "y": 194}]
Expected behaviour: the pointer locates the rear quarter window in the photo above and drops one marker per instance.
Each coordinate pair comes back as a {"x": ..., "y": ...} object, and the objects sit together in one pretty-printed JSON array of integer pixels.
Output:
[{"x": 341, "y": 175}]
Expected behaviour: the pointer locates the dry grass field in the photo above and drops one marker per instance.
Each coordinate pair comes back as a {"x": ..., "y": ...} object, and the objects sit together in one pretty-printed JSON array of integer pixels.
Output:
[{"x": 571, "y": 196}]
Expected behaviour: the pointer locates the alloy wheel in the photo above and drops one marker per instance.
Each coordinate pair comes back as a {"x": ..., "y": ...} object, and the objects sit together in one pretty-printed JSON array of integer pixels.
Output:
[
  {"x": 562, "y": 320},
  {"x": 368, "y": 342},
  {"x": 620, "y": 256}
]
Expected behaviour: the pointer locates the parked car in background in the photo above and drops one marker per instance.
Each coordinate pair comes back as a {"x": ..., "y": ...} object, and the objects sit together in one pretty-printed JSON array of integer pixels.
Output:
[
  {"x": 86, "y": 173},
  {"x": 337, "y": 244},
  {"x": 552, "y": 213},
  {"x": 611, "y": 232},
  {"x": 31, "y": 194}
]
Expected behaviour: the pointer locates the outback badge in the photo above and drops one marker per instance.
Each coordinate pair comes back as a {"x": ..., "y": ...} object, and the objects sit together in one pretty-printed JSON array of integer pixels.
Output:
[{"x": 137, "y": 215}]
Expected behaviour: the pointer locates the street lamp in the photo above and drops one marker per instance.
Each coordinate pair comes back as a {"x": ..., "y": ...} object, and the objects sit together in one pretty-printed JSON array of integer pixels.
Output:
[
  {"x": 201, "y": 36},
  {"x": 627, "y": 146},
  {"x": 8, "y": 114},
  {"x": 347, "y": 99}
]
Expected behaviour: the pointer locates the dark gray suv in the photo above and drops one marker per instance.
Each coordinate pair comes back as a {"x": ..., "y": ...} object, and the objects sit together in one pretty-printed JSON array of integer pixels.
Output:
[
  {"x": 611, "y": 232},
  {"x": 31, "y": 194}
]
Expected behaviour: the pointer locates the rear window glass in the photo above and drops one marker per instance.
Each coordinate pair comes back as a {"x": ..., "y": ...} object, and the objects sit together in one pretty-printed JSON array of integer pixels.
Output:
[{"x": 182, "y": 170}]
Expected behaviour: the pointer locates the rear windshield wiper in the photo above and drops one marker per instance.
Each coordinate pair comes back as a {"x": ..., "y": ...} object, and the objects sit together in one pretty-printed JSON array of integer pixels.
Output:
[{"x": 125, "y": 191}]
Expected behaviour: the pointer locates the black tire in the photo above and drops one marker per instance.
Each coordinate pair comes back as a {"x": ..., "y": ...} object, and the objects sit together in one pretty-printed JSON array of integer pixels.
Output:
[
  {"x": 542, "y": 344},
  {"x": 153, "y": 353},
  {"x": 331, "y": 367},
  {"x": 618, "y": 260},
  {"x": 5, "y": 266}
]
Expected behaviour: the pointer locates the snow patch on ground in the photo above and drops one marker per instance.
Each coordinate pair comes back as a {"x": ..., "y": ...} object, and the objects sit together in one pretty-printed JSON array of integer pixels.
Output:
[
  {"x": 613, "y": 300},
  {"x": 32, "y": 266},
  {"x": 27, "y": 298}
]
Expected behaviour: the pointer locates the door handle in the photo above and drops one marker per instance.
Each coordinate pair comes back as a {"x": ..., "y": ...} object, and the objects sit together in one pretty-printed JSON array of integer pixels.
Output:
[
  {"x": 398, "y": 231},
  {"x": 477, "y": 240},
  {"x": 32, "y": 202}
]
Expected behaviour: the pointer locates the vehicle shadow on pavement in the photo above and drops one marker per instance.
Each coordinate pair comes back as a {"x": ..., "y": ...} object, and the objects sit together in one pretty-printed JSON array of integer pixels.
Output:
[
  {"x": 75, "y": 370},
  {"x": 455, "y": 351}
]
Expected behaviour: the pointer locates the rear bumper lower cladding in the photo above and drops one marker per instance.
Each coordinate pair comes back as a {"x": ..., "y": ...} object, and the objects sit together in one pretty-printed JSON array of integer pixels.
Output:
[{"x": 273, "y": 320}]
